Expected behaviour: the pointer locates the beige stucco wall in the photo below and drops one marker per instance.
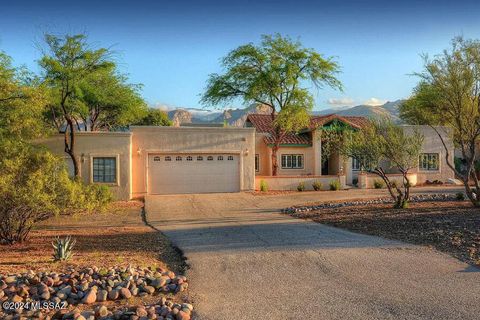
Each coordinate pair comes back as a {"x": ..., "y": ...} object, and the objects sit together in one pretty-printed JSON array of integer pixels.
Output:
[
  {"x": 308, "y": 161},
  {"x": 265, "y": 157},
  {"x": 292, "y": 182},
  {"x": 146, "y": 140},
  {"x": 433, "y": 144},
  {"x": 312, "y": 157},
  {"x": 101, "y": 144},
  {"x": 264, "y": 154},
  {"x": 370, "y": 179}
]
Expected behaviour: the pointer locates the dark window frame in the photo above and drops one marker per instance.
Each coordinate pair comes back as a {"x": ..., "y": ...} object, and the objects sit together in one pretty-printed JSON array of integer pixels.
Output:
[
  {"x": 104, "y": 170},
  {"x": 426, "y": 163},
  {"x": 291, "y": 161}
]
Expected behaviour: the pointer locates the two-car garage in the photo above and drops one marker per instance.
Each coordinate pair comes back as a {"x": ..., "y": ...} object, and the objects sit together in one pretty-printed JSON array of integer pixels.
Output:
[{"x": 173, "y": 173}]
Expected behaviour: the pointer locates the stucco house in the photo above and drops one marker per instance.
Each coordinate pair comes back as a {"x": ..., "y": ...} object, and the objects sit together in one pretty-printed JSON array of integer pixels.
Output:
[
  {"x": 300, "y": 154},
  {"x": 175, "y": 160}
]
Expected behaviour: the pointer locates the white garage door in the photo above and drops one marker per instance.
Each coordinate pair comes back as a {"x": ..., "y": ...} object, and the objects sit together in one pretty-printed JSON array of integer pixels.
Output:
[{"x": 193, "y": 173}]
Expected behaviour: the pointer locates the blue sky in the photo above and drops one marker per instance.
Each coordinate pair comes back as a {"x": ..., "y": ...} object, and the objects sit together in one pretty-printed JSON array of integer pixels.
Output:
[{"x": 172, "y": 46}]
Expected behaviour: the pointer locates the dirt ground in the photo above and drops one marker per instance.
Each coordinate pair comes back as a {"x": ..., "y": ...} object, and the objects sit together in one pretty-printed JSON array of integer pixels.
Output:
[
  {"x": 118, "y": 237},
  {"x": 451, "y": 227}
]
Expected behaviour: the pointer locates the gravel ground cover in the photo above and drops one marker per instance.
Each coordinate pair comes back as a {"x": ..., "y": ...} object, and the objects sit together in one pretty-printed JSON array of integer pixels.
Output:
[
  {"x": 121, "y": 269},
  {"x": 449, "y": 226}
]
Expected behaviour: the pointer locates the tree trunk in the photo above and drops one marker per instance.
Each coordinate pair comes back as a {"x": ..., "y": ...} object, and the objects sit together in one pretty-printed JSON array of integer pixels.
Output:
[
  {"x": 275, "y": 160},
  {"x": 70, "y": 146},
  {"x": 474, "y": 197}
]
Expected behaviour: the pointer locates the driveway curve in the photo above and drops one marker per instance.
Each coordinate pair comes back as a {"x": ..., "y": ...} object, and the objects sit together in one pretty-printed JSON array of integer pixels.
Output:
[{"x": 249, "y": 262}]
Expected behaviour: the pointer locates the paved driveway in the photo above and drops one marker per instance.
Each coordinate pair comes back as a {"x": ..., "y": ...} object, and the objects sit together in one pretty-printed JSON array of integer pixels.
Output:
[{"x": 248, "y": 262}]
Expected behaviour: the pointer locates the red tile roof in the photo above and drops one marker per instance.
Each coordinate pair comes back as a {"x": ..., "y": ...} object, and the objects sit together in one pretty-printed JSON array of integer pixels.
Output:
[
  {"x": 264, "y": 123},
  {"x": 354, "y": 121}
]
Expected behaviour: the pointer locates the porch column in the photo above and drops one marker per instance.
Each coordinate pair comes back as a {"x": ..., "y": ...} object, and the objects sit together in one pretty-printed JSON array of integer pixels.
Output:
[
  {"x": 317, "y": 152},
  {"x": 362, "y": 180}
]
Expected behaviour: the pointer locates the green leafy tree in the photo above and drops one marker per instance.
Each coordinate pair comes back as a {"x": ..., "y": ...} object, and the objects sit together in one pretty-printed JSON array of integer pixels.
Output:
[
  {"x": 67, "y": 62},
  {"x": 448, "y": 95},
  {"x": 34, "y": 183},
  {"x": 382, "y": 145},
  {"x": 155, "y": 117},
  {"x": 107, "y": 101},
  {"x": 273, "y": 73},
  {"x": 22, "y": 101}
]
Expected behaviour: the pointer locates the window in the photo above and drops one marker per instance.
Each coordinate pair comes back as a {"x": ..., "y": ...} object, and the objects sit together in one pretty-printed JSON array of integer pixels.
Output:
[
  {"x": 189, "y": 158},
  {"x": 230, "y": 158},
  {"x": 199, "y": 158},
  {"x": 428, "y": 162},
  {"x": 257, "y": 163},
  {"x": 292, "y": 161},
  {"x": 168, "y": 158},
  {"x": 105, "y": 169},
  {"x": 178, "y": 158},
  {"x": 156, "y": 158},
  {"x": 209, "y": 158},
  {"x": 355, "y": 164},
  {"x": 220, "y": 158}
]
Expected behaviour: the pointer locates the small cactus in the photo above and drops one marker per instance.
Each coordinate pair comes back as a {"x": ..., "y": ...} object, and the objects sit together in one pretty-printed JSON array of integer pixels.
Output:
[{"x": 63, "y": 248}]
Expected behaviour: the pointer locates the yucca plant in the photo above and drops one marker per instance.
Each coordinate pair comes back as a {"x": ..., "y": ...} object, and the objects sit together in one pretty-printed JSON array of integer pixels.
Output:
[{"x": 63, "y": 248}]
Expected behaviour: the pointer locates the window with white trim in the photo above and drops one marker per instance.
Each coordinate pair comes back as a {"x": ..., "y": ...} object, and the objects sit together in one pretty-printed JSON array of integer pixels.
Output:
[
  {"x": 428, "y": 162},
  {"x": 257, "y": 163},
  {"x": 105, "y": 169},
  {"x": 292, "y": 161}
]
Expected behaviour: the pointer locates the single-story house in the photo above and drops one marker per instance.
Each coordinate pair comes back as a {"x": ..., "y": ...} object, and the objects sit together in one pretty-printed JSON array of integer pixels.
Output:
[
  {"x": 174, "y": 160},
  {"x": 300, "y": 154}
]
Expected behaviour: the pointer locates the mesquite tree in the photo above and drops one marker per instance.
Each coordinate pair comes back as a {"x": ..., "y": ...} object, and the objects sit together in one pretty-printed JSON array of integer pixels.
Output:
[
  {"x": 382, "y": 146},
  {"x": 449, "y": 95},
  {"x": 66, "y": 63},
  {"x": 273, "y": 73}
]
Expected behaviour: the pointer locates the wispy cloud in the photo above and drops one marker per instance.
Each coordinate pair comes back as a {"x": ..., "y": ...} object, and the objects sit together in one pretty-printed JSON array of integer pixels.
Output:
[
  {"x": 341, "y": 102},
  {"x": 374, "y": 102}
]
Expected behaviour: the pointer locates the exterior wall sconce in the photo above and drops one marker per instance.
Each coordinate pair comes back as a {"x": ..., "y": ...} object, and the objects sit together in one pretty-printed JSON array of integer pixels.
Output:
[
  {"x": 82, "y": 158},
  {"x": 246, "y": 152},
  {"x": 139, "y": 151}
]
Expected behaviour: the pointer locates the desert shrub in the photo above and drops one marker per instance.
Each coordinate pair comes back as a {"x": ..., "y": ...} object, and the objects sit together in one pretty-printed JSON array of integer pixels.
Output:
[
  {"x": 460, "y": 196},
  {"x": 34, "y": 186},
  {"x": 378, "y": 184},
  {"x": 97, "y": 197},
  {"x": 334, "y": 185},
  {"x": 301, "y": 187},
  {"x": 317, "y": 185},
  {"x": 263, "y": 186}
]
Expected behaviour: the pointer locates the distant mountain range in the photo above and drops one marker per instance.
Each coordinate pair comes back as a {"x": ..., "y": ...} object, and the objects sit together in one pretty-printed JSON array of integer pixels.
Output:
[
  {"x": 231, "y": 117},
  {"x": 389, "y": 109},
  {"x": 236, "y": 117}
]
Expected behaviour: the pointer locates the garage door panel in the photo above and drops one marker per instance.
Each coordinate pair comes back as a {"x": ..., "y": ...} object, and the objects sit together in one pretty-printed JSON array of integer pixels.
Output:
[{"x": 200, "y": 175}]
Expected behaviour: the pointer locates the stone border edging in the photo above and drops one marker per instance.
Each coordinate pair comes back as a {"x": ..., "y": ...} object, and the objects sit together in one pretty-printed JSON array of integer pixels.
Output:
[{"x": 413, "y": 198}]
